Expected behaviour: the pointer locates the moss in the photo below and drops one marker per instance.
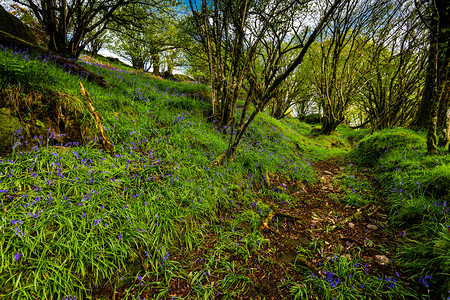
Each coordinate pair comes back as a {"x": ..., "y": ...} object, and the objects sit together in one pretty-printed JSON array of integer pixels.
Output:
[
  {"x": 377, "y": 145},
  {"x": 8, "y": 125}
]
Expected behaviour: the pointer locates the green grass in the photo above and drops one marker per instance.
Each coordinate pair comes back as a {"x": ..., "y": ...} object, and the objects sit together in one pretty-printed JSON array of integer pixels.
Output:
[
  {"x": 342, "y": 277},
  {"x": 417, "y": 188},
  {"x": 77, "y": 221}
]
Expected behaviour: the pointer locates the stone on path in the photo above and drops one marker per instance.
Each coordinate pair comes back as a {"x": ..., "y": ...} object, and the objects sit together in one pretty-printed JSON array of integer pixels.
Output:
[
  {"x": 372, "y": 227},
  {"x": 382, "y": 260}
]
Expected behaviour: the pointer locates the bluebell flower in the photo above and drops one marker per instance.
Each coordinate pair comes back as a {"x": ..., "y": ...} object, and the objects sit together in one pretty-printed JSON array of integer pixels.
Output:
[{"x": 17, "y": 255}]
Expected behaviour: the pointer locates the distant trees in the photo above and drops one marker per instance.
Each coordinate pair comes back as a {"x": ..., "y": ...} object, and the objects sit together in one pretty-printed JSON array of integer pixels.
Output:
[
  {"x": 233, "y": 34},
  {"x": 348, "y": 57},
  {"x": 392, "y": 93},
  {"x": 195, "y": 58},
  {"x": 143, "y": 42},
  {"x": 71, "y": 25},
  {"x": 368, "y": 67}
]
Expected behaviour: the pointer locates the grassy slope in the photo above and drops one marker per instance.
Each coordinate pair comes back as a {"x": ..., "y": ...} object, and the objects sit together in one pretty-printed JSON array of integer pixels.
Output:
[
  {"x": 77, "y": 220},
  {"x": 417, "y": 189}
]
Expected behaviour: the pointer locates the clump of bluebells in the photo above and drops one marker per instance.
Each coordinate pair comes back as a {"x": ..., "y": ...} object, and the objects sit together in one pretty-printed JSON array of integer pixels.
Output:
[
  {"x": 20, "y": 65},
  {"x": 343, "y": 278}
]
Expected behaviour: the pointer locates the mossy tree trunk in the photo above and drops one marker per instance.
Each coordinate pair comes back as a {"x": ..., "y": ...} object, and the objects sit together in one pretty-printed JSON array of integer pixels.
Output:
[
  {"x": 443, "y": 125},
  {"x": 332, "y": 118},
  {"x": 434, "y": 102},
  {"x": 156, "y": 63}
]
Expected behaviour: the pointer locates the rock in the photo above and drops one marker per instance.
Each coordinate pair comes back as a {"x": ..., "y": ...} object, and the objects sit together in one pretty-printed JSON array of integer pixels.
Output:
[
  {"x": 183, "y": 78},
  {"x": 351, "y": 225},
  {"x": 12, "y": 25},
  {"x": 8, "y": 125},
  {"x": 372, "y": 227},
  {"x": 382, "y": 260}
]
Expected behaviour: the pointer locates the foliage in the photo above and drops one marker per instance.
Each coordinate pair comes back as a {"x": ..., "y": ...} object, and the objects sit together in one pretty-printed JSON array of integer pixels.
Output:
[
  {"x": 344, "y": 278},
  {"x": 79, "y": 222},
  {"x": 143, "y": 42},
  {"x": 70, "y": 26},
  {"x": 235, "y": 58},
  {"x": 77, "y": 219},
  {"x": 417, "y": 188}
]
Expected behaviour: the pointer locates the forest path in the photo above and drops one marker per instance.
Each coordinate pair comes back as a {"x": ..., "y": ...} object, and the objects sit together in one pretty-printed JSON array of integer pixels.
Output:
[{"x": 322, "y": 225}]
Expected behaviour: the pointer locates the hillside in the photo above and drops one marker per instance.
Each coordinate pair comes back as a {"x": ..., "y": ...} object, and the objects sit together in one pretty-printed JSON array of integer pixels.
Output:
[{"x": 294, "y": 215}]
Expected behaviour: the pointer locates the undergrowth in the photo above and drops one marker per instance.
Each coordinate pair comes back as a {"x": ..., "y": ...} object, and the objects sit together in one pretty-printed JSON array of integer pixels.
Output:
[
  {"x": 417, "y": 188},
  {"x": 76, "y": 220},
  {"x": 154, "y": 215}
]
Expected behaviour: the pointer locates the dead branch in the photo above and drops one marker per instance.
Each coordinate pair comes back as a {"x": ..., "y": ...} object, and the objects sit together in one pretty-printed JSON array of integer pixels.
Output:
[{"x": 98, "y": 121}]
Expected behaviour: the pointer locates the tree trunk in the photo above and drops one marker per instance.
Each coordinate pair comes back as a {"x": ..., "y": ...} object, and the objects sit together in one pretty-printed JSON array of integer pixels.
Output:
[
  {"x": 156, "y": 64},
  {"x": 443, "y": 118},
  {"x": 423, "y": 114},
  {"x": 328, "y": 126},
  {"x": 440, "y": 60},
  {"x": 138, "y": 63}
]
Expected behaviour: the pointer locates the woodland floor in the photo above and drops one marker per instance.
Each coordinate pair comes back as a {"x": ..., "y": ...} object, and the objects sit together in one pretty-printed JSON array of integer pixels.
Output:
[{"x": 336, "y": 227}]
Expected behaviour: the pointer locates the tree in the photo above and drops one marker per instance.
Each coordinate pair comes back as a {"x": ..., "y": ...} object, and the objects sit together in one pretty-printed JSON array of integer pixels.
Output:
[
  {"x": 143, "y": 42},
  {"x": 435, "y": 102},
  {"x": 295, "y": 92},
  {"x": 391, "y": 95},
  {"x": 195, "y": 58},
  {"x": 71, "y": 25},
  {"x": 232, "y": 32},
  {"x": 342, "y": 63}
]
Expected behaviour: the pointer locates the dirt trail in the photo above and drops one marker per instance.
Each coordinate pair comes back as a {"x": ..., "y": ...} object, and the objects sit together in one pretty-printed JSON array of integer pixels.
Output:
[{"x": 336, "y": 228}]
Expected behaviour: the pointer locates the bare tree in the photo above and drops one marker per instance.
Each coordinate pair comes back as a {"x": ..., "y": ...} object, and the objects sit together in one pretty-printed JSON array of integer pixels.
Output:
[
  {"x": 233, "y": 33},
  {"x": 391, "y": 94},
  {"x": 342, "y": 66}
]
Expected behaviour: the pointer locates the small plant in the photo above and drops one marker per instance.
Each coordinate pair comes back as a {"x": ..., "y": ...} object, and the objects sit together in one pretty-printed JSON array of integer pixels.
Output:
[{"x": 342, "y": 278}]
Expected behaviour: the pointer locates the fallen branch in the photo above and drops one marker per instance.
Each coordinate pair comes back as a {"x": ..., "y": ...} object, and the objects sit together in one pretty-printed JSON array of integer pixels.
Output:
[
  {"x": 284, "y": 215},
  {"x": 356, "y": 215},
  {"x": 274, "y": 212},
  {"x": 219, "y": 160},
  {"x": 374, "y": 211},
  {"x": 98, "y": 121},
  {"x": 267, "y": 177}
]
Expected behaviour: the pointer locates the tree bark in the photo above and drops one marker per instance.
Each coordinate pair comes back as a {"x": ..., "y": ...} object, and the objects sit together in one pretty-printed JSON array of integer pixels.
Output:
[
  {"x": 439, "y": 61},
  {"x": 156, "y": 64}
]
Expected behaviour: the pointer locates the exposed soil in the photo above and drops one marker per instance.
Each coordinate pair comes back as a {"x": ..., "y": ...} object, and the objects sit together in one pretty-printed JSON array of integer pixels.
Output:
[
  {"x": 340, "y": 229},
  {"x": 38, "y": 111}
]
